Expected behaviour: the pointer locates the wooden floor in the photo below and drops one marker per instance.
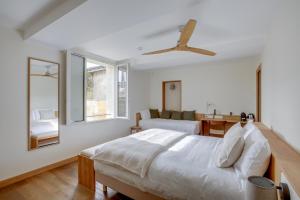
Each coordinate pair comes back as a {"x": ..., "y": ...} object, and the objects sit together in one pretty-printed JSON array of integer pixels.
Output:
[{"x": 57, "y": 184}]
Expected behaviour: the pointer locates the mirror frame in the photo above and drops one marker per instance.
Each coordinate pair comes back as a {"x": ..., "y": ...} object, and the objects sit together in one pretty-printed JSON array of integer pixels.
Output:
[{"x": 29, "y": 102}]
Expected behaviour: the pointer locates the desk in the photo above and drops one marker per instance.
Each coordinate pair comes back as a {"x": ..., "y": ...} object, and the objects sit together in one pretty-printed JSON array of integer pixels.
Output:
[{"x": 229, "y": 120}]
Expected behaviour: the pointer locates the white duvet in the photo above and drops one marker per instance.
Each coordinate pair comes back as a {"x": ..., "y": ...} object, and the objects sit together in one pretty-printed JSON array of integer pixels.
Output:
[
  {"x": 191, "y": 127},
  {"x": 135, "y": 153},
  {"x": 185, "y": 171}
]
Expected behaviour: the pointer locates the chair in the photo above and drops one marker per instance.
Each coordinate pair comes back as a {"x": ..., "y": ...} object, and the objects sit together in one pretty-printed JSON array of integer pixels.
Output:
[{"x": 216, "y": 128}]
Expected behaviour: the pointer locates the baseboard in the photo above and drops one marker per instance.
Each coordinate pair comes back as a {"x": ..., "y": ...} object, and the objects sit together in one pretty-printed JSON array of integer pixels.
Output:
[{"x": 26, "y": 175}]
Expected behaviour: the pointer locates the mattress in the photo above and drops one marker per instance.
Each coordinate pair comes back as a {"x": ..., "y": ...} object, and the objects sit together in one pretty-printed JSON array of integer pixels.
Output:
[
  {"x": 191, "y": 127},
  {"x": 184, "y": 171}
]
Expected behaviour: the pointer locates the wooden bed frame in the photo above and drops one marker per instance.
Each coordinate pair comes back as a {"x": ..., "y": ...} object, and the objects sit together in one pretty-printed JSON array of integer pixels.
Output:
[
  {"x": 36, "y": 142},
  {"x": 284, "y": 159},
  {"x": 87, "y": 177}
]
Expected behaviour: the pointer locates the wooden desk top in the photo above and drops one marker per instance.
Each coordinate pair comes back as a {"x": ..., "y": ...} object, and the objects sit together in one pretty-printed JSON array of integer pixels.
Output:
[{"x": 227, "y": 118}]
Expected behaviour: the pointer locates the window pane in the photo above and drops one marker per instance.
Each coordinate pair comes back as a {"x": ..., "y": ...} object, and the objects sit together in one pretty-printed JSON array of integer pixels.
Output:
[
  {"x": 122, "y": 91},
  {"x": 99, "y": 90}
]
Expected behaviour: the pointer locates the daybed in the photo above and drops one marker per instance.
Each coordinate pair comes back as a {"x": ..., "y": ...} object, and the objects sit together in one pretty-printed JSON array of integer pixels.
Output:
[
  {"x": 188, "y": 126},
  {"x": 191, "y": 127}
]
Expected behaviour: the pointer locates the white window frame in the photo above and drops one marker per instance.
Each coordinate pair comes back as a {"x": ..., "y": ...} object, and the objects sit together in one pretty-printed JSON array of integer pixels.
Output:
[
  {"x": 121, "y": 64},
  {"x": 91, "y": 56}
]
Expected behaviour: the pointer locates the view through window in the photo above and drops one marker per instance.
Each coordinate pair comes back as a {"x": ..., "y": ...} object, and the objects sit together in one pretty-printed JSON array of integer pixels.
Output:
[{"x": 99, "y": 90}]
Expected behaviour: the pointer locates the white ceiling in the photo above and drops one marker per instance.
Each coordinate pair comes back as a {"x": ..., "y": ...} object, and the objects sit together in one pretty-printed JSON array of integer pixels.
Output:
[
  {"x": 18, "y": 13},
  {"x": 116, "y": 28}
]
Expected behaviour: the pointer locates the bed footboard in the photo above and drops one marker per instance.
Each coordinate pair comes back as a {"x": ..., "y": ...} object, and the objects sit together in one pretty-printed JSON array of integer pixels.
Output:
[
  {"x": 125, "y": 189},
  {"x": 87, "y": 177},
  {"x": 86, "y": 172}
]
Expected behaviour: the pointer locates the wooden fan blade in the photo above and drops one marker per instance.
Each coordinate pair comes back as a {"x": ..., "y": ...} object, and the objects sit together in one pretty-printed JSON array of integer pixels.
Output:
[
  {"x": 37, "y": 75},
  {"x": 200, "y": 51},
  {"x": 187, "y": 32},
  {"x": 43, "y": 75},
  {"x": 160, "y": 51}
]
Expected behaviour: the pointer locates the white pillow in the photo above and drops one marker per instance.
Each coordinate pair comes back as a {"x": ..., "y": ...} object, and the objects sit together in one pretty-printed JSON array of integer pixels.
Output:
[
  {"x": 236, "y": 127},
  {"x": 255, "y": 158},
  {"x": 249, "y": 127},
  {"x": 145, "y": 114},
  {"x": 231, "y": 148},
  {"x": 35, "y": 115},
  {"x": 47, "y": 114}
]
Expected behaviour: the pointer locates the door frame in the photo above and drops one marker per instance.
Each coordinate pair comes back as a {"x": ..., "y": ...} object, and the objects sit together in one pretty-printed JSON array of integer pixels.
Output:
[
  {"x": 164, "y": 92},
  {"x": 258, "y": 93}
]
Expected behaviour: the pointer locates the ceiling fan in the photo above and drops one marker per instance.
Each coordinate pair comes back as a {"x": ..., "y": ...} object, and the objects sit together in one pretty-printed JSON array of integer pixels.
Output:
[
  {"x": 186, "y": 33},
  {"x": 47, "y": 73}
]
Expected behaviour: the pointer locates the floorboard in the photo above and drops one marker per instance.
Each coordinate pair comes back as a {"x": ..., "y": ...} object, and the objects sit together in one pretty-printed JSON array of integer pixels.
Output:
[{"x": 57, "y": 184}]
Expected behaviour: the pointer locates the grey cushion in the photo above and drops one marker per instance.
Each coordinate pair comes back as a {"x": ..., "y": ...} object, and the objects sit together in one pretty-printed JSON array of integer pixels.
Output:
[
  {"x": 176, "y": 115},
  {"x": 165, "y": 114},
  {"x": 189, "y": 115},
  {"x": 154, "y": 113}
]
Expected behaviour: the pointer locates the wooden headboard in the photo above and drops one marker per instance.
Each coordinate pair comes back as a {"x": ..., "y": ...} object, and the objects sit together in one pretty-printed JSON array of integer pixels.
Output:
[
  {"x": 138, "y": 117},
  {"x": 284, "y": 159}
]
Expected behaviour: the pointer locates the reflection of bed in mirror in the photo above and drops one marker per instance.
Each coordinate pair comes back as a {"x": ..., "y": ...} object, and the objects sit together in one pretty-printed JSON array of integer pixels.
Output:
[
  {"x": 44, "y": 127},
  {"x": 43, "y": 97}
]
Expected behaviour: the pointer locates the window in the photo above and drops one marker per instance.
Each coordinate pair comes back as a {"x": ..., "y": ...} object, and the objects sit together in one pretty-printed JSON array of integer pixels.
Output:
[
  {"x": 97, "y": 90},
  {"x": 122, "y": 91}
]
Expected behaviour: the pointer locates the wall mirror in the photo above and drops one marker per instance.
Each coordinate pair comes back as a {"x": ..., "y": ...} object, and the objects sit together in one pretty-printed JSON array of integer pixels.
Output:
[{"x": 43, "y": 103}]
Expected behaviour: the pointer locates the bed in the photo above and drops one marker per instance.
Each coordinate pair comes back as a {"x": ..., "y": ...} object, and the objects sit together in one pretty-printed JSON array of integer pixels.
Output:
[
  {"x": 183, "y": 168},
  {"x": 44, "y": 132}
]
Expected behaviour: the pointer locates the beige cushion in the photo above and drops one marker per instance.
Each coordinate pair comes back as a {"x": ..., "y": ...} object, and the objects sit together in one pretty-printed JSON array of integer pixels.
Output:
[{"x": 231, "y": 147}]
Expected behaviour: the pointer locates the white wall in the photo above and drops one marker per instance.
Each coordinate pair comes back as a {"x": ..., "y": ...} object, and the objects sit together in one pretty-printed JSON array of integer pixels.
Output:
[
  {"x": 230, "y": 85},
  {"x": 281, "y": 74},
  {"x": 281, "y": 77},
  {"x": 14, "y": 157}
]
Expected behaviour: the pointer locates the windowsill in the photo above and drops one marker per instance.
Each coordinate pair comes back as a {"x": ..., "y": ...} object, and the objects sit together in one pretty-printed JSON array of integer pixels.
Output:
[
  {"x": 98, "y": 120},
  {"x": 124, "y": 118}
]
